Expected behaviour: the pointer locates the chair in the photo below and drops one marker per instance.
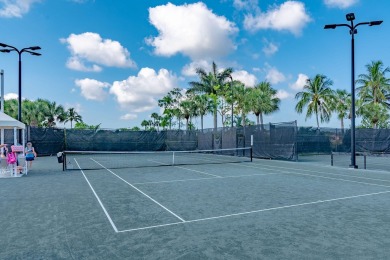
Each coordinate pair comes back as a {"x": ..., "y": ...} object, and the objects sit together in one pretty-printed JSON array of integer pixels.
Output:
[
  {"x": 5, "y": 170},
  {"x": 23, "y": 163}
]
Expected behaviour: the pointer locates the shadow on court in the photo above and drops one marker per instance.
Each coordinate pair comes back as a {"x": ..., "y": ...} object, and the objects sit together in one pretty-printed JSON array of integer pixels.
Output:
[{"x": 260, "y": 210}]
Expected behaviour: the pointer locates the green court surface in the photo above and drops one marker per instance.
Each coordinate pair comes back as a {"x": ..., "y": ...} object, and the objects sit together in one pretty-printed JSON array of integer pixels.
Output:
[{"x": 265, "y": 209}]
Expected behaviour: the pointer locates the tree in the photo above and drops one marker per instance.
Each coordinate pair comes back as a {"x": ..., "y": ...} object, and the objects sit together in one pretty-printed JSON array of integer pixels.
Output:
[
  {"x": 52, "y": 111},
  {"x": 342, "y": 106},
  {"x": 72, "y": 115},
  {"x": 241, "y": 95},
  {"x": 263, "y": 100},
  {"x": 211, "y": 83},
  {"x": 170, "y": 103},
  {"x": 318, "y": 97},
  {"x": 203, "y": 106},
  {"x": 374, "y": 93},
  {"x": 187, "y": 110},
  {"x": 145, "y": 123}
]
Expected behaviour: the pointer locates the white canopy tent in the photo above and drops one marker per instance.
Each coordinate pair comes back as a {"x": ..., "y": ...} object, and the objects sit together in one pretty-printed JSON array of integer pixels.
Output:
[{"x": 7, "y": 122}]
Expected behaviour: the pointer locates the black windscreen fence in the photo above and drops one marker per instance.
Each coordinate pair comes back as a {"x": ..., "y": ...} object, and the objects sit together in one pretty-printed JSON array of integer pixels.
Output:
[{"x": 275, "y": 141}]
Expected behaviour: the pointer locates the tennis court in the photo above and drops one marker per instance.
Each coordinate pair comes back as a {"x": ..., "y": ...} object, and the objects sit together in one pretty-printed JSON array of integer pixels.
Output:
[{"x": 265, "y": 209}]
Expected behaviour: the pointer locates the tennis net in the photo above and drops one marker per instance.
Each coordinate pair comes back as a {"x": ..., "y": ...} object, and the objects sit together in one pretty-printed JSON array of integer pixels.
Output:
[{"x": 92, "y": 160}]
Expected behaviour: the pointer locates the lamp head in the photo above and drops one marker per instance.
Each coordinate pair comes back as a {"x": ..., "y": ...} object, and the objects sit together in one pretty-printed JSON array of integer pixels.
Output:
[
  {"x": 34, "y": 48},
  {"x": 330, "y": 26},
  {"x": 5, "y": 50},
  {"x": 372, "y": 23},
  {"x": 350, "y": 17},
  {"x": 3, "y": 45}
]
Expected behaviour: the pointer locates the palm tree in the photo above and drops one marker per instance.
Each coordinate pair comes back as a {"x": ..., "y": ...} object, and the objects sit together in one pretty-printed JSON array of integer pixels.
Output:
[
  {"x": 155, "y": 118},
  {"x": 33, "y": 112},
  {"x": 11, "y": 107},
  {"x": 52, "y": 111},
  {"x": 145, "y": 123},
  {"x": 374, "y": 86},
  {"x": 211, "y": 84},
  {"x": 187, "y": 110},
  {"x": 263, "y": 100},
  {"x": 374, "y": 93},
  {"x": 318, "y": 97},
  {"x": 203, "y": 106},
  {"x": 72, "y": 115},
  {"x": 342, "y": 106},
  {"x": 241, "y": 95}
]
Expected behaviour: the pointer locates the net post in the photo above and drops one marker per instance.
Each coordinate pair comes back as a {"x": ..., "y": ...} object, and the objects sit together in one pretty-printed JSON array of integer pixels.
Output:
[
  {"x": 251, "y": 151},
  {"x": 365, "y": 162},
  {"x": 63, "y": 161},
  {"x": 331, "y": 159},
  {"x": 173, "y": 158}
]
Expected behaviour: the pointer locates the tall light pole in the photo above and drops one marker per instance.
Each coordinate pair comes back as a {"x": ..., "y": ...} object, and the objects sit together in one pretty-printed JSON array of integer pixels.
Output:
[
  {"x": 352, "y": 30},
  {"x": 31, "y": 50}
]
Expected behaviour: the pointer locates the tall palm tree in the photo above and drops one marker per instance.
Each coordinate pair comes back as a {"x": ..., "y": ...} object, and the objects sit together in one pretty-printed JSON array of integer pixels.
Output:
[
  {"x": 374, "y": 86},
  {"x": 342, "y": 106},
  {"x": 318, "y": 97},
  {"x": 51, "y": 111},
  {"x": 187, "y": 110},
  {"x": 33, "y": 112},
  {"x": 263, "y": 100},
  {"x": 203, "y": 106},
  {"x": 155, "y": 118},
  {"x": 211, "y": 83},
  {"x": 145, "y": 123},
  {"x": 72, "y": 115},
  {"x": 374, "y": 93},
  {"x": 241, "y": 95}
]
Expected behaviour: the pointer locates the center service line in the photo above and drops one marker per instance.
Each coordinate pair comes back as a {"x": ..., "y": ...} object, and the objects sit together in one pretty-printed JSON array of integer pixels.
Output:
[{"x": 143, "y": 193}]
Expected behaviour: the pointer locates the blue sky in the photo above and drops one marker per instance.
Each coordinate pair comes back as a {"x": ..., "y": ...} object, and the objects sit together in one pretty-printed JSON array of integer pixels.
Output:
[{"x": 112, "y": 60}]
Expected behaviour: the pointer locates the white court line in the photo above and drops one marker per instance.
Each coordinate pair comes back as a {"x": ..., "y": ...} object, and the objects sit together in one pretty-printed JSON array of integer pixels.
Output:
[
  {"x": 98, "y": 199},
  {"x": 200, "y": 179},
  {"x": 143, "y": 193},
  {"x": 271, "y": 167},
  {"x": 256, "y": 211},
  {"x": 217, "y": 176}
]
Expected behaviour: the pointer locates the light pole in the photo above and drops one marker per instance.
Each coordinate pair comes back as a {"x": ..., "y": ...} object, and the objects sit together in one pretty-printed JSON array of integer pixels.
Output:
[
  {"x": 31, "y": 50},
  {"x": 231, "y": 89},
  {"x": 352, "y": 30}
]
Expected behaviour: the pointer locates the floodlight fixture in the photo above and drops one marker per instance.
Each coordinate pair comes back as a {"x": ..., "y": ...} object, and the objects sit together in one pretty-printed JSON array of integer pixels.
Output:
[
  {"x": 350, "y": 17},
  {"x": 330, "y": 26},
  {"x": 372, "y": 23}
]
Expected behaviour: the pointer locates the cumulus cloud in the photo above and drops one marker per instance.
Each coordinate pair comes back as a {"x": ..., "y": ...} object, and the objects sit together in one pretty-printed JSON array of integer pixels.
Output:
[
  {"x": 249, "y": 5},
  {"x": 140, "y": 93},
  {"x": 270, "y": 48},
  {"x": 92, "y": 89},
  {"x": 190, "y": 69},
  {"x": 192, "y": 30},
  {"x": 77, "y": 107},
  {"x": 15, "y": 8},
  {"x": 290, "y": 16},
  {"x": 91, "y": 48},
  {"x": 282, "y": 94},
  {"x": 128, "y": 116},
  {"x": 274, "y": 76},
  {"x": 340, "y": 3},
  {"x": 248, "y": 79},
  {"x": 300, "y": 82},
  {"x": 9, "y": 96}
]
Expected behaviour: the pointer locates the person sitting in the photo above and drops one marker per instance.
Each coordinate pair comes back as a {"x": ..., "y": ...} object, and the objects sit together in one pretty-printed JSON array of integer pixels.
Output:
[{"x": 30, "y": 153}]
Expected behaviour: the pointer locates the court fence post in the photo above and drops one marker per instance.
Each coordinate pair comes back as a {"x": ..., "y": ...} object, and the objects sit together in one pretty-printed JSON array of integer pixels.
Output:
[{"x": 331, "y": 159}]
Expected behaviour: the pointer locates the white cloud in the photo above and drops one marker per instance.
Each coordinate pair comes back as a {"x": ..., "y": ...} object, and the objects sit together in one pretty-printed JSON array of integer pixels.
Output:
[
  {"x": 89, "y": 47},
  {"x": 129, "y": 116},
  {"x": 140, "y": 93},
  {"x": 192, "y": 30},
  {"x": 340, "y": 3},
  {"x": 92, "y": 89},
  {"x": 274, "y": 76},
  {"x": 190, "y": 69},
  {"x": 270, "y": 48},
  {"x": 290, "y": 16},
  {"x": 15, "y": 8},
  {"x": 9, "y": 96},
  {"x": 282, "y": 94},
  {"x": 250, "y": 5},
  {"x": 301, "y": 81},
  {"x": 248, "y": 79}
]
